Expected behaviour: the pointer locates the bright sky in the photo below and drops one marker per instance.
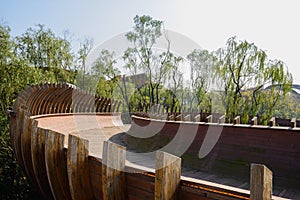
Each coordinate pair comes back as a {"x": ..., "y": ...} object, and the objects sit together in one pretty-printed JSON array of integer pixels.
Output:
[{"x": 272, "y": 25}]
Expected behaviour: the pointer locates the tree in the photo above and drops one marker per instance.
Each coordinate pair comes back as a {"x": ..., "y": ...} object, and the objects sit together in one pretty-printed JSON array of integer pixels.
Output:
[
  {"x": 143, "y": 55},
  {"x": 15, "y": 75},
  {"x": 201, "y": 63},
  {"x": 42, "y": 49},
  {"x": 244, "y": 71},
  {"x": 85, "y": 48}
]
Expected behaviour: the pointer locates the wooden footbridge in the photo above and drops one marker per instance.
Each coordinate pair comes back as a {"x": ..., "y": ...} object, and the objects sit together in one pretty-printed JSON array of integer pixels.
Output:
[{"x": 71, "y": 145}]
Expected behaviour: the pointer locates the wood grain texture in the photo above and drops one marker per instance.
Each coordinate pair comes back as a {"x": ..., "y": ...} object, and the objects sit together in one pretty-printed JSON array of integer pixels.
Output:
[
  {"x": 56, "y": 165},
  {"x": 167, "y": 176},
  {"x": 260, "y": 182},
  {"x": 113, "y": 171},
  {"x": 38, "y": 139},
  {"x": 78, "y": 169}
]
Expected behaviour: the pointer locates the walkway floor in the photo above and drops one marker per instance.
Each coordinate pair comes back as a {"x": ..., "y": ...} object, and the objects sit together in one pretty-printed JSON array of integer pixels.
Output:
[{"x": 99, "y": 128}]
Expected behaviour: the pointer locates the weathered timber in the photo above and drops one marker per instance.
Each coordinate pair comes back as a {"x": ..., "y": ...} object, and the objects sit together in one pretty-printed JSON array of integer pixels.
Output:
[
  {"x": 56, "y": 165},
  {"x": 272, "y": 122},
  {"x": 197, "y": 118},
  {"x": 113, "y": 171},
  {"x": 294, "y": 123},
  {"x": 221, "y": 120},
  {"x": 254, "y": 121},
  {"x": 167, "y": 176},
  {"x": 78, "y": 171},
  {"x": 187, "y": 118},
  {"x": 237, "y": 120},
  {"x": 38, "y": 159},
  {"x": 260, "y": 182},
  {"x": 209, "y": 119}
]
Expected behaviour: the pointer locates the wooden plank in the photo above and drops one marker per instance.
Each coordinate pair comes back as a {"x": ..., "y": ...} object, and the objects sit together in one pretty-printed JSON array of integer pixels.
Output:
[
  {"x": 272, "y": 122},
  {"x": 294, "y": 123},
  {"x": 113, "y": 168},
  {"x": 209, "y": 119},
  {"x": 167, "y": 176},
  {"x": 78, "y": 170},
  {"x": 221, "y": 120},
  {"x": 56, "y": 165},
  {"x": 26, "y": 149},
  {"x": 187, "y": 118},
  {"x": 237, "y": 120},
  {"x": 254, "y": 121},
  {"x": 260, "y": 182},
  {"x": 38, "y": 159},
  {"x": 197, "y": 118}
]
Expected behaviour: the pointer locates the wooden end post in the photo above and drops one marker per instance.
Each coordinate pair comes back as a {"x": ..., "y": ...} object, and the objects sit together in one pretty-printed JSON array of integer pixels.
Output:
[
  {"x": 237, "y": 120},
  {"x": 260, "y": 182},
  {"x": 221, "y": 120},
  {"x": 294, "y": 123},
  {"x": 78, "y": 168},
  {"x": 209, "y": 119},
  {"x": 197, "y": 118},
  {"x": 167, "y": 176},
  {"x": 187, "y": 118},
  {"x": 254, "y": 121},
  {"x": 113, "y": 171},
  {"x": 272, "y": 121}
]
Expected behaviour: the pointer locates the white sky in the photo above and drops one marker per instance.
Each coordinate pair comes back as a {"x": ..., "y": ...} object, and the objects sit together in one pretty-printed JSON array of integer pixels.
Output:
[{"x": 272, "y": 25}]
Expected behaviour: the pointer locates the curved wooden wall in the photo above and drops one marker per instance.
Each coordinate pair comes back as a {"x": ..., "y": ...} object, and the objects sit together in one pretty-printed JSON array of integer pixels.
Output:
[
  {"x": 238, "y": 146},
  {"x": 40, "y": 152},
  {"x": 71, "y": 173}
]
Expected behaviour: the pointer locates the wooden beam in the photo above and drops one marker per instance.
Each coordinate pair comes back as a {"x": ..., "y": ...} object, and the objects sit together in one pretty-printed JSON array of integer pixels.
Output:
[
  {"x": 272, "y": 121},
  {"x": 167, "y": 176},
  {"x": 187, "y": 118},
  {"x": 221, "y": 120},
  {"x": 113, "y": 171},
  {"x": 254, "y": 121},
  {"x": 209, "y": 119},
  {"x": 56, "y": 165},
  {"x": 294, "y": 123},
  {"x": 197, "y": 118},
  {"x": 38, "y": 139},
  {"x": 260, "y": 182},
  {"x": 237, "y": 120},
  {"x": 78, "y": 168}
]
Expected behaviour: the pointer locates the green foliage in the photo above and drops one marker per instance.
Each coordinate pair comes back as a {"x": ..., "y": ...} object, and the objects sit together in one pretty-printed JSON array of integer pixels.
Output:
[
  {"x": 42, "y": 49},
  {"x": 156, "y": 64},
  {"x": 244, "y": 71},
  {"x": 37, "y": 56}
]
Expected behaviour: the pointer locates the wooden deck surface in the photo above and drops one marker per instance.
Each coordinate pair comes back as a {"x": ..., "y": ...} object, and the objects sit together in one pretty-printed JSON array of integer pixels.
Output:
[{"x": 99, "y": 128}]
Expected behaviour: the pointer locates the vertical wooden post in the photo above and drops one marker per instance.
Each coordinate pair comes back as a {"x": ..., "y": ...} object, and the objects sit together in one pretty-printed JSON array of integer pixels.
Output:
[
  {"x": 272, "y": 121},
  {"x": 197, "y": 118},
  {"x": 254, "y": 121},
  {"x": 237, "y": 120},
  {"x": 56, "y": 165},
  {"x": 209, "y": 119},
  {"x": 178, "y": 117},
  {"x": 167, "y": 176},
  {"x": 294, "y": 123},
  {"x": 187, "y": 118},
  {"x": 221, "y": 120},
  {"x": 113, "y": 171},
  {"x": 260, "y": 182},
  {"x": 78, "y": 168}
]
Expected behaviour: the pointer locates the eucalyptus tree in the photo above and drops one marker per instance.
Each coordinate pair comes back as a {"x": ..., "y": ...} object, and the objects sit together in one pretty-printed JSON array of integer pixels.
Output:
[
  {"x": 42, "y": 49},
  {"x": 144, "y": 57},
  {"x": 244, "y": 71}
]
